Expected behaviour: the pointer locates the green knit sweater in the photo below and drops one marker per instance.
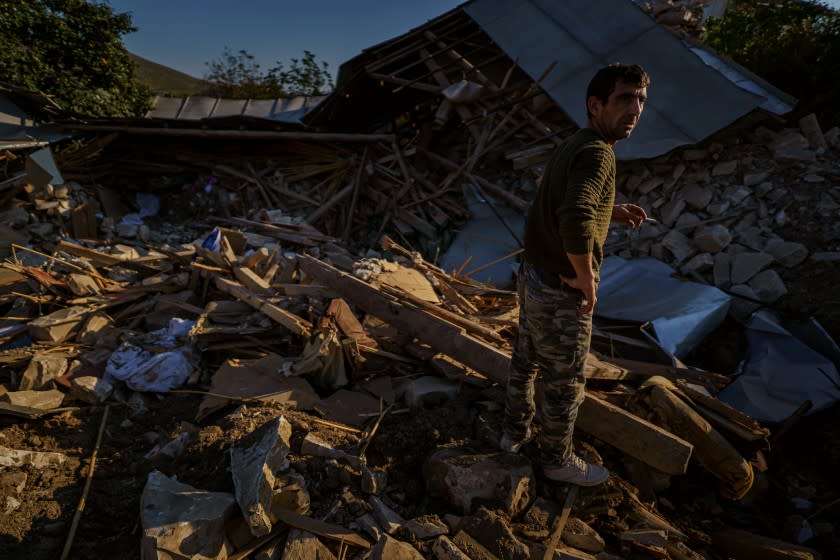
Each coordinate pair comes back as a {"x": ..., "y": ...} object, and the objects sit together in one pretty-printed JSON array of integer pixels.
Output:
[{"x": 573, "y": 206}]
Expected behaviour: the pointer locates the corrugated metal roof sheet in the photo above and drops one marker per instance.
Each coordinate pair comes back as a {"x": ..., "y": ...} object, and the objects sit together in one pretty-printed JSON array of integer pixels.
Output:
[
  {"x": 18, "y": 130},
  {"x": 687, "y": 101},
  {"x": 288, "y": 110}
]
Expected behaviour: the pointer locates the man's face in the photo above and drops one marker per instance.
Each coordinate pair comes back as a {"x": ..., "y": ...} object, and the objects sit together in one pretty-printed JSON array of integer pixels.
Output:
[{"x": 616, "y": 119}]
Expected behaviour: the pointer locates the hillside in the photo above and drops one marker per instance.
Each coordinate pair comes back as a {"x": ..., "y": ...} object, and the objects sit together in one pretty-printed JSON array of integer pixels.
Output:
[{"x": 164, "y": 80}]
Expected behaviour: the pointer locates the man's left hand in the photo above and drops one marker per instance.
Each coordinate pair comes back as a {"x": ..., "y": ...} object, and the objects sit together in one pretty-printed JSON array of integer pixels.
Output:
[{"x": 629, "y": 214}]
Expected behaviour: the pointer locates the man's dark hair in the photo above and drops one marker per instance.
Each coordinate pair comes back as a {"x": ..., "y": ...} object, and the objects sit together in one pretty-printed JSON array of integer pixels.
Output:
[{"x": 604, "y": 81}]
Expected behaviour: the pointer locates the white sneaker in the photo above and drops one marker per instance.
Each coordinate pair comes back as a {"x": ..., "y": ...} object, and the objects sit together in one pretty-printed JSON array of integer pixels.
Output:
[
  {"x": 511, "y": 445},
  {"x": 577, "y": 471}
]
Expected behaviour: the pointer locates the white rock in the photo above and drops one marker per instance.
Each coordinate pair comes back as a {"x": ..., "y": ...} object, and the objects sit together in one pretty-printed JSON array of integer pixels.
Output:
[
  {"x": 90, "y": 389},
  {"x": 747, "y": 265},
  {"x": 697, "y": 196},
  {"x": 725, "y": 168},
  {"x": 678, "y": 245},
  {"x": 768, "y": 286},
  {"x": 388, "y": 519},
  {"x": 712, "y": 239},
  {"x": 788, "y": 253},
  {"x": 254, "y": 468},
  {"x": 504, "y": 478},
  {"x": 180, "y": 521},
  {"x": 36, "y": 459},
  {"x": 699, "y": 263}
]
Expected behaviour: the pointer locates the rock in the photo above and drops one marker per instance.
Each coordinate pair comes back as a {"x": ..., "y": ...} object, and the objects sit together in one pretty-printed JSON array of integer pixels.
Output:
[
  {"x": 445, "y": 549},
  {"x": 712, "y": 239},
  {"x": 42, "y": 400},
  {"x": 755, "y": 178},
  {"x": 697, "y": 196},
  {"x": 650, "y": 184},
  {"x": 425, "y": 527},
  {"x": 768, "y": 286},
  {"x": 562, "y": 552},
  {"x": 429, "y": 390},
  {"x": 833, "y": 137},
  {"x": 720, "y": 270},
  {"x": 813, "y": 178},
  {"x": 388, "y": 548},
  {"x": 90, "y": 389},
  {"x": 747, "y": 265},
  {"x": 694, "y": 154},
  {"x": 687, "y": 221},
  {"x": 725, "y": 168},
  {"x": 182, "y": 521},
  {"x": 671, "y": 210},
  {"x": 578, "y": 534},
  {"x": 493, "y": 532},
  {"x": 59, "y": 325},
  {"x": 35, "y": 459},
  {"x": 301, "y": 544},
  {"x": 388, "y": 519},
  {"x": 98, "y": 330},
  {"x": 42, "y": 369},
  {"x": 679, "y": 246},
  {"x": 649, "y": 537},
  {"x": 737, "y": 194},
  {"x": 290, "y": 493},
  {"x": 826, "y": 256},
  {"x": 127, "y": 231},
  {"x": 742, "y": 307},
  {"x": 255, "y": 462},
  {"x": 471, "y": 547},
  {"x": 718, "y": 208},
  {"x": 460, "y": 477},
  {"x": 810, "y": 127},
  {"x": 752, "y": 238},
  {"x": 699, "y": 263},
  {"x": 787, "y": 253},
  {"x": 537, "y": 522}
]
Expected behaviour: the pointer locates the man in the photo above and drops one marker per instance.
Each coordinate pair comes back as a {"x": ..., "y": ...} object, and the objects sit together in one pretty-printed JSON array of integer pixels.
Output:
[{"x": 558, "y": 279}]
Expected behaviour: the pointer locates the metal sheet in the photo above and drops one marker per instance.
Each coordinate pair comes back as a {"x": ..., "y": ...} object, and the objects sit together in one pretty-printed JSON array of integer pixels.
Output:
[
  {"x": 643, "y": 290},
  {"x": 783, "y": 369},
  {"x": 688, "y": 100},
  {"x": 195, "y": 108}
]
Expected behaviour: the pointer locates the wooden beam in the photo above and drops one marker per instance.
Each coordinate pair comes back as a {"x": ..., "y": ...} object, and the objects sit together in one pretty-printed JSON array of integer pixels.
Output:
[
  {"x": 609, "y": 423},
  {"x": 286, "y": 318}
]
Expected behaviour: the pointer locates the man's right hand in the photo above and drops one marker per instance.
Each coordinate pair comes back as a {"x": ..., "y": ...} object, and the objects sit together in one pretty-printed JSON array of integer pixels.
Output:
[
  {"x": 584, "y": 279},
  {"x": 587, "y": 286}
]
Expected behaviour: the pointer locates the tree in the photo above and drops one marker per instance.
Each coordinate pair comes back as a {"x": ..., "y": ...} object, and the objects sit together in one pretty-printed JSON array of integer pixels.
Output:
[
  {"x": 238, "y": 75},
  {"x": 795, "y": 45},
  {"x": 73, "y": 51}
]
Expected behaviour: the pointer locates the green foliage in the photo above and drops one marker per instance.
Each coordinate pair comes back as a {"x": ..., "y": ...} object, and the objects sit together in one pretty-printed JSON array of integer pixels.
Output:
[
  {"x": 238, "y": 75},
  {"x": 795, "y": 45},
  {"x": 72, "y": 50}
]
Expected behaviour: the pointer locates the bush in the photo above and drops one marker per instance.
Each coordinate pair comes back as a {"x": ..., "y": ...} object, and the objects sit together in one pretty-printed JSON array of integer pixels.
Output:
[{"x": 794, "y": 45}]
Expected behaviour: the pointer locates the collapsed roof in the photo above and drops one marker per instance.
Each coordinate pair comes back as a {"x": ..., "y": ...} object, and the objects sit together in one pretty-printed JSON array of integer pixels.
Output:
[{"x": 561, "y": 45}]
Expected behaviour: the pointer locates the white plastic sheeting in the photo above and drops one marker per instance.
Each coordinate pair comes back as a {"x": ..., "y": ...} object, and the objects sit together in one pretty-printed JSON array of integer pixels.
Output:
[
  {"x": 681, "y": 313},
  {"x": 142, "y": 370}
]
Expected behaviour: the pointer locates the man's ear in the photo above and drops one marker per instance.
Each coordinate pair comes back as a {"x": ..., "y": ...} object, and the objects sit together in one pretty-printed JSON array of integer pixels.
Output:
[{"x": 594, "y": 105}]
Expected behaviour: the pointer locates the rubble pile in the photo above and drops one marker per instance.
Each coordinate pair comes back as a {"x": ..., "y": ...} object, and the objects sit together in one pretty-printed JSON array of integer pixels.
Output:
[
  {"x": 682, "y": 18},
  {"x": 345, "y": 404}
]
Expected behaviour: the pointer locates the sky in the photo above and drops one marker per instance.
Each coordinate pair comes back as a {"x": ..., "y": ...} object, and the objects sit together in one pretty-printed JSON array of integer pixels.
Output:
[{"x": 186, "y": 34}]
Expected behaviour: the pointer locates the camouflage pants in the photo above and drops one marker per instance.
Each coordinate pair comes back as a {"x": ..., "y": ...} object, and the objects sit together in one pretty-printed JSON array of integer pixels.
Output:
[{"x": 553, "y": 340}]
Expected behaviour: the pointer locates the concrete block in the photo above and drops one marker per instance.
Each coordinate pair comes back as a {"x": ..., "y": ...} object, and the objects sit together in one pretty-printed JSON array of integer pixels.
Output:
[
  {"x": 461, "y": 478},
  {"x": 182, "y": 521},
  {"x": 255, "y": 462}
]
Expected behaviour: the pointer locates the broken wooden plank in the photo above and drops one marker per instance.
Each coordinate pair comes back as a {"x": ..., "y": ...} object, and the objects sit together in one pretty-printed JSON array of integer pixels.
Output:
[
  {"x": 286, "y": 318},
  {"x": 609, "y": 423},
  {"x": 749, "y": 546},
  {"x": 252, "y": 281}
]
